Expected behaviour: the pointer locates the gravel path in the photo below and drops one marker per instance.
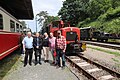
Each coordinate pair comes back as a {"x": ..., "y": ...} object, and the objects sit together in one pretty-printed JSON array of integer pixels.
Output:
[
  {"x": 39, "y": 72},
  {"x": 106, "y": 59}
]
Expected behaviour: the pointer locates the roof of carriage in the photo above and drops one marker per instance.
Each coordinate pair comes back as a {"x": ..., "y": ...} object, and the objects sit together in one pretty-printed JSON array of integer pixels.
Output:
[{"x": 21, "y": 9}]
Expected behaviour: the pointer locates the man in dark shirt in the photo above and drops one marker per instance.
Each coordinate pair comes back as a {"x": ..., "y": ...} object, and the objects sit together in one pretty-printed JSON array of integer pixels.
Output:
[
  {"x": 37, "y": 43},
  {"x": 46, "y": 47}
]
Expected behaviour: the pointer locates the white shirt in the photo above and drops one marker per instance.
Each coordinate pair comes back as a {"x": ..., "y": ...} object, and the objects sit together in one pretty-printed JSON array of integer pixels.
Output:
[{"x": 28, "y": 42}]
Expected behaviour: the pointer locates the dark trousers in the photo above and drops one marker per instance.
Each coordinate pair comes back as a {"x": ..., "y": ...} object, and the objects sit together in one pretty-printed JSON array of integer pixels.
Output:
[
  {"x": 28, "y": 52},
  {"x": 62, "y": 55},
  {"x": 21, "y": 49},
  {"x": 37, "y": 53}
]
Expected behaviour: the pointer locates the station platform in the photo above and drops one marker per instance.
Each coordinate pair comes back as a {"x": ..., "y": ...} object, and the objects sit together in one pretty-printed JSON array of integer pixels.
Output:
[{"x": 46, "y": 71}]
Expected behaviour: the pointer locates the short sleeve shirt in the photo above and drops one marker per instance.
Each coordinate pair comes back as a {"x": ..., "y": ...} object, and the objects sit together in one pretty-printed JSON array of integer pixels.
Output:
[{"x": 28, "y": 42}]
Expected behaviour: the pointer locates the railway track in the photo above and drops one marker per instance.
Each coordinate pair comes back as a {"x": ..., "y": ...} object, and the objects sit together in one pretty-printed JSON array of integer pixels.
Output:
[
  {"x": 91, "y": 69},
  {"x": 106, "y": 45}
]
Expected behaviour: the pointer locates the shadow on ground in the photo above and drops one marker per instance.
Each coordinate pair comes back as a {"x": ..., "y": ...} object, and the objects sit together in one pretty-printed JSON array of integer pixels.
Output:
[{"x": 7, "y": 63}]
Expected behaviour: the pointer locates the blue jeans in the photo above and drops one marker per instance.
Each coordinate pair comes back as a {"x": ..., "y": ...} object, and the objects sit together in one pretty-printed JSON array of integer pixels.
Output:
[
  {"x": 54, "y": 58},
  {"x": 61, "y": 54}
]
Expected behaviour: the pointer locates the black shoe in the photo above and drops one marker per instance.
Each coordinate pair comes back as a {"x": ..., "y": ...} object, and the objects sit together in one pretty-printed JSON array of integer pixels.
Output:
[
  {"x": 30, "y": 64},
  {"x": 63, "y": 67},
  {"x": 25, "y": 65},
  {"x": 40, "y": 63},
  {"x": 45, "y": 61},
  {"x": 35, "y": 63},
  {"x": 54, "y": 64}
]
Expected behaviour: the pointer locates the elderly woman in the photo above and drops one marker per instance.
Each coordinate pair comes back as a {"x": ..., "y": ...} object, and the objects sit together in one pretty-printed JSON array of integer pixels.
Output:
[{"x": 46, "y": 47}]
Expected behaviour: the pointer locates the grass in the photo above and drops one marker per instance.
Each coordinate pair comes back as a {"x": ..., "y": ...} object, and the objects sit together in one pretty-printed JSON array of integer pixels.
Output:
[
  {"x": 116, "y": 60},
  {"x": 107, "y": 51},
  {"x": 114, "y": 40},
  {"x": 117, "y": 64},
  {"x": 7, "y": 63}
]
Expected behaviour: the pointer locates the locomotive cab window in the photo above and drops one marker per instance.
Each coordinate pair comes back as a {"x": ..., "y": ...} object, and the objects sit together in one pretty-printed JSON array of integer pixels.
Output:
[
  {"x": 1, "y": 21},
  {"x": 70, "y": 36},
  {"x": 17, "y": 27},
  {"x": 12, "y": 26},
  {"x": 55, "y": 25}
]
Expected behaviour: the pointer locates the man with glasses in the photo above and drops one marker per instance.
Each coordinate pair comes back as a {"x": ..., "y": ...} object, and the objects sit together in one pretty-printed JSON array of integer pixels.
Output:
[
  {"x": 60, "y": 49},
  {"x": 37, "y": 43}
]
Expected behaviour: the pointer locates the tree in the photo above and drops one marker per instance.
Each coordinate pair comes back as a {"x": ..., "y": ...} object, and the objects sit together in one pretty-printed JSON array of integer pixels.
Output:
[
  {"x": 42, "y": 17},
  {"x": 45, "y": 19},
  {"x": 76, "y": 11},
  {"x": 98, "y": 7},
  {"x": 50, "y": 19},
  {"x": 73, "y": 11},
  {"x": 24, "y": 24}
]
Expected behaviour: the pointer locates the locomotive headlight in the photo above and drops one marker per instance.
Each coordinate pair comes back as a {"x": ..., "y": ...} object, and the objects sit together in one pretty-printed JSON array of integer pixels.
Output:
[{"x": 71, "y": 32}]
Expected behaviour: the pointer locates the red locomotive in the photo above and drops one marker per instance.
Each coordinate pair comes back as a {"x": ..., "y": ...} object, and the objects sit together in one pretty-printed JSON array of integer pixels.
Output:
[{"x": 72, "y": 35}]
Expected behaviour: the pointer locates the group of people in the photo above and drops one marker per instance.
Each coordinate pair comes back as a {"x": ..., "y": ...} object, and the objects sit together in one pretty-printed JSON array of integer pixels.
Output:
[{"x": 43, "y": 45}]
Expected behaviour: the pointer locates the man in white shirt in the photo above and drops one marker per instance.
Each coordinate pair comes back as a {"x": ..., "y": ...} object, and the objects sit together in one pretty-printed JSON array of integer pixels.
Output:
[{"x": 28, "y": 48}]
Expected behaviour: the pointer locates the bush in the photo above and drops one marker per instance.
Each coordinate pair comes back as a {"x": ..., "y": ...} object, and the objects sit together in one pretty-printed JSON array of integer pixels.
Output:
[
  {"x": 80, "y": 24},
  {"x": 110, "y": 14}
]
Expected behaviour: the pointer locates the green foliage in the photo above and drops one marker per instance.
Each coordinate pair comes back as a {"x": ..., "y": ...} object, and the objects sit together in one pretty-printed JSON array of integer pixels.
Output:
[
  {"x": 110, "y": 21},
  {"x": 98, "y": 7},
  {"x": 110, "y": 14},
  {"x": 24, "y": 24},
  {"x": 102, "y": 14},
  {"x": 50, "y": 19},
  {"x": 72, "y": 11},
  {"x": 106, "y": 51},
  {"x": 80, "y": 24},
  {"x": 42, "y": 16},
  {"x": 45, "y": 19},
  {"x": 113, "y": 26}
]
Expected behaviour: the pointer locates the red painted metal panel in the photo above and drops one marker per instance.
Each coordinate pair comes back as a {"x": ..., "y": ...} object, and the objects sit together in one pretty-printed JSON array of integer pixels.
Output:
[
  {"x": 8, "y": 43},
  {"x": 67, "y": 29}
]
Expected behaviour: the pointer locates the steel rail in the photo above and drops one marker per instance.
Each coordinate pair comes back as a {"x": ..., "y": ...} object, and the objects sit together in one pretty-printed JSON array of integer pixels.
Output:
[
  {"x": 87, "y": 74},
  {"x": 81, "y": 69},
  {"x": 100, "y": 65}
]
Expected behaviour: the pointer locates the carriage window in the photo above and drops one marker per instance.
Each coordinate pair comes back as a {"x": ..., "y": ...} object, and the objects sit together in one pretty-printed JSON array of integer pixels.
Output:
[
  {"x": 21, "y": 28},
  {"x": 17, "y": 27},
  {"x": 12, "y": 26},
  {"x": 1, "y": 21}
]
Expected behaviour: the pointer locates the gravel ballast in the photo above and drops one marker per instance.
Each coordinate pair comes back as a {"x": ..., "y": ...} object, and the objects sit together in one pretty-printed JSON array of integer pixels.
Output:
[{"x": 104, "y": 58}]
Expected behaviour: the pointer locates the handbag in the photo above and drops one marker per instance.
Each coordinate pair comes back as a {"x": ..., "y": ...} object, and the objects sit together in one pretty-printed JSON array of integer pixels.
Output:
[{"x": 54, "y": 54}]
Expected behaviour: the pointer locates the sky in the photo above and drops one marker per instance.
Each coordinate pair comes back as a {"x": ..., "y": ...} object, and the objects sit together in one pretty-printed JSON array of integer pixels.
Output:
[{"x": 51, "y": 6}]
